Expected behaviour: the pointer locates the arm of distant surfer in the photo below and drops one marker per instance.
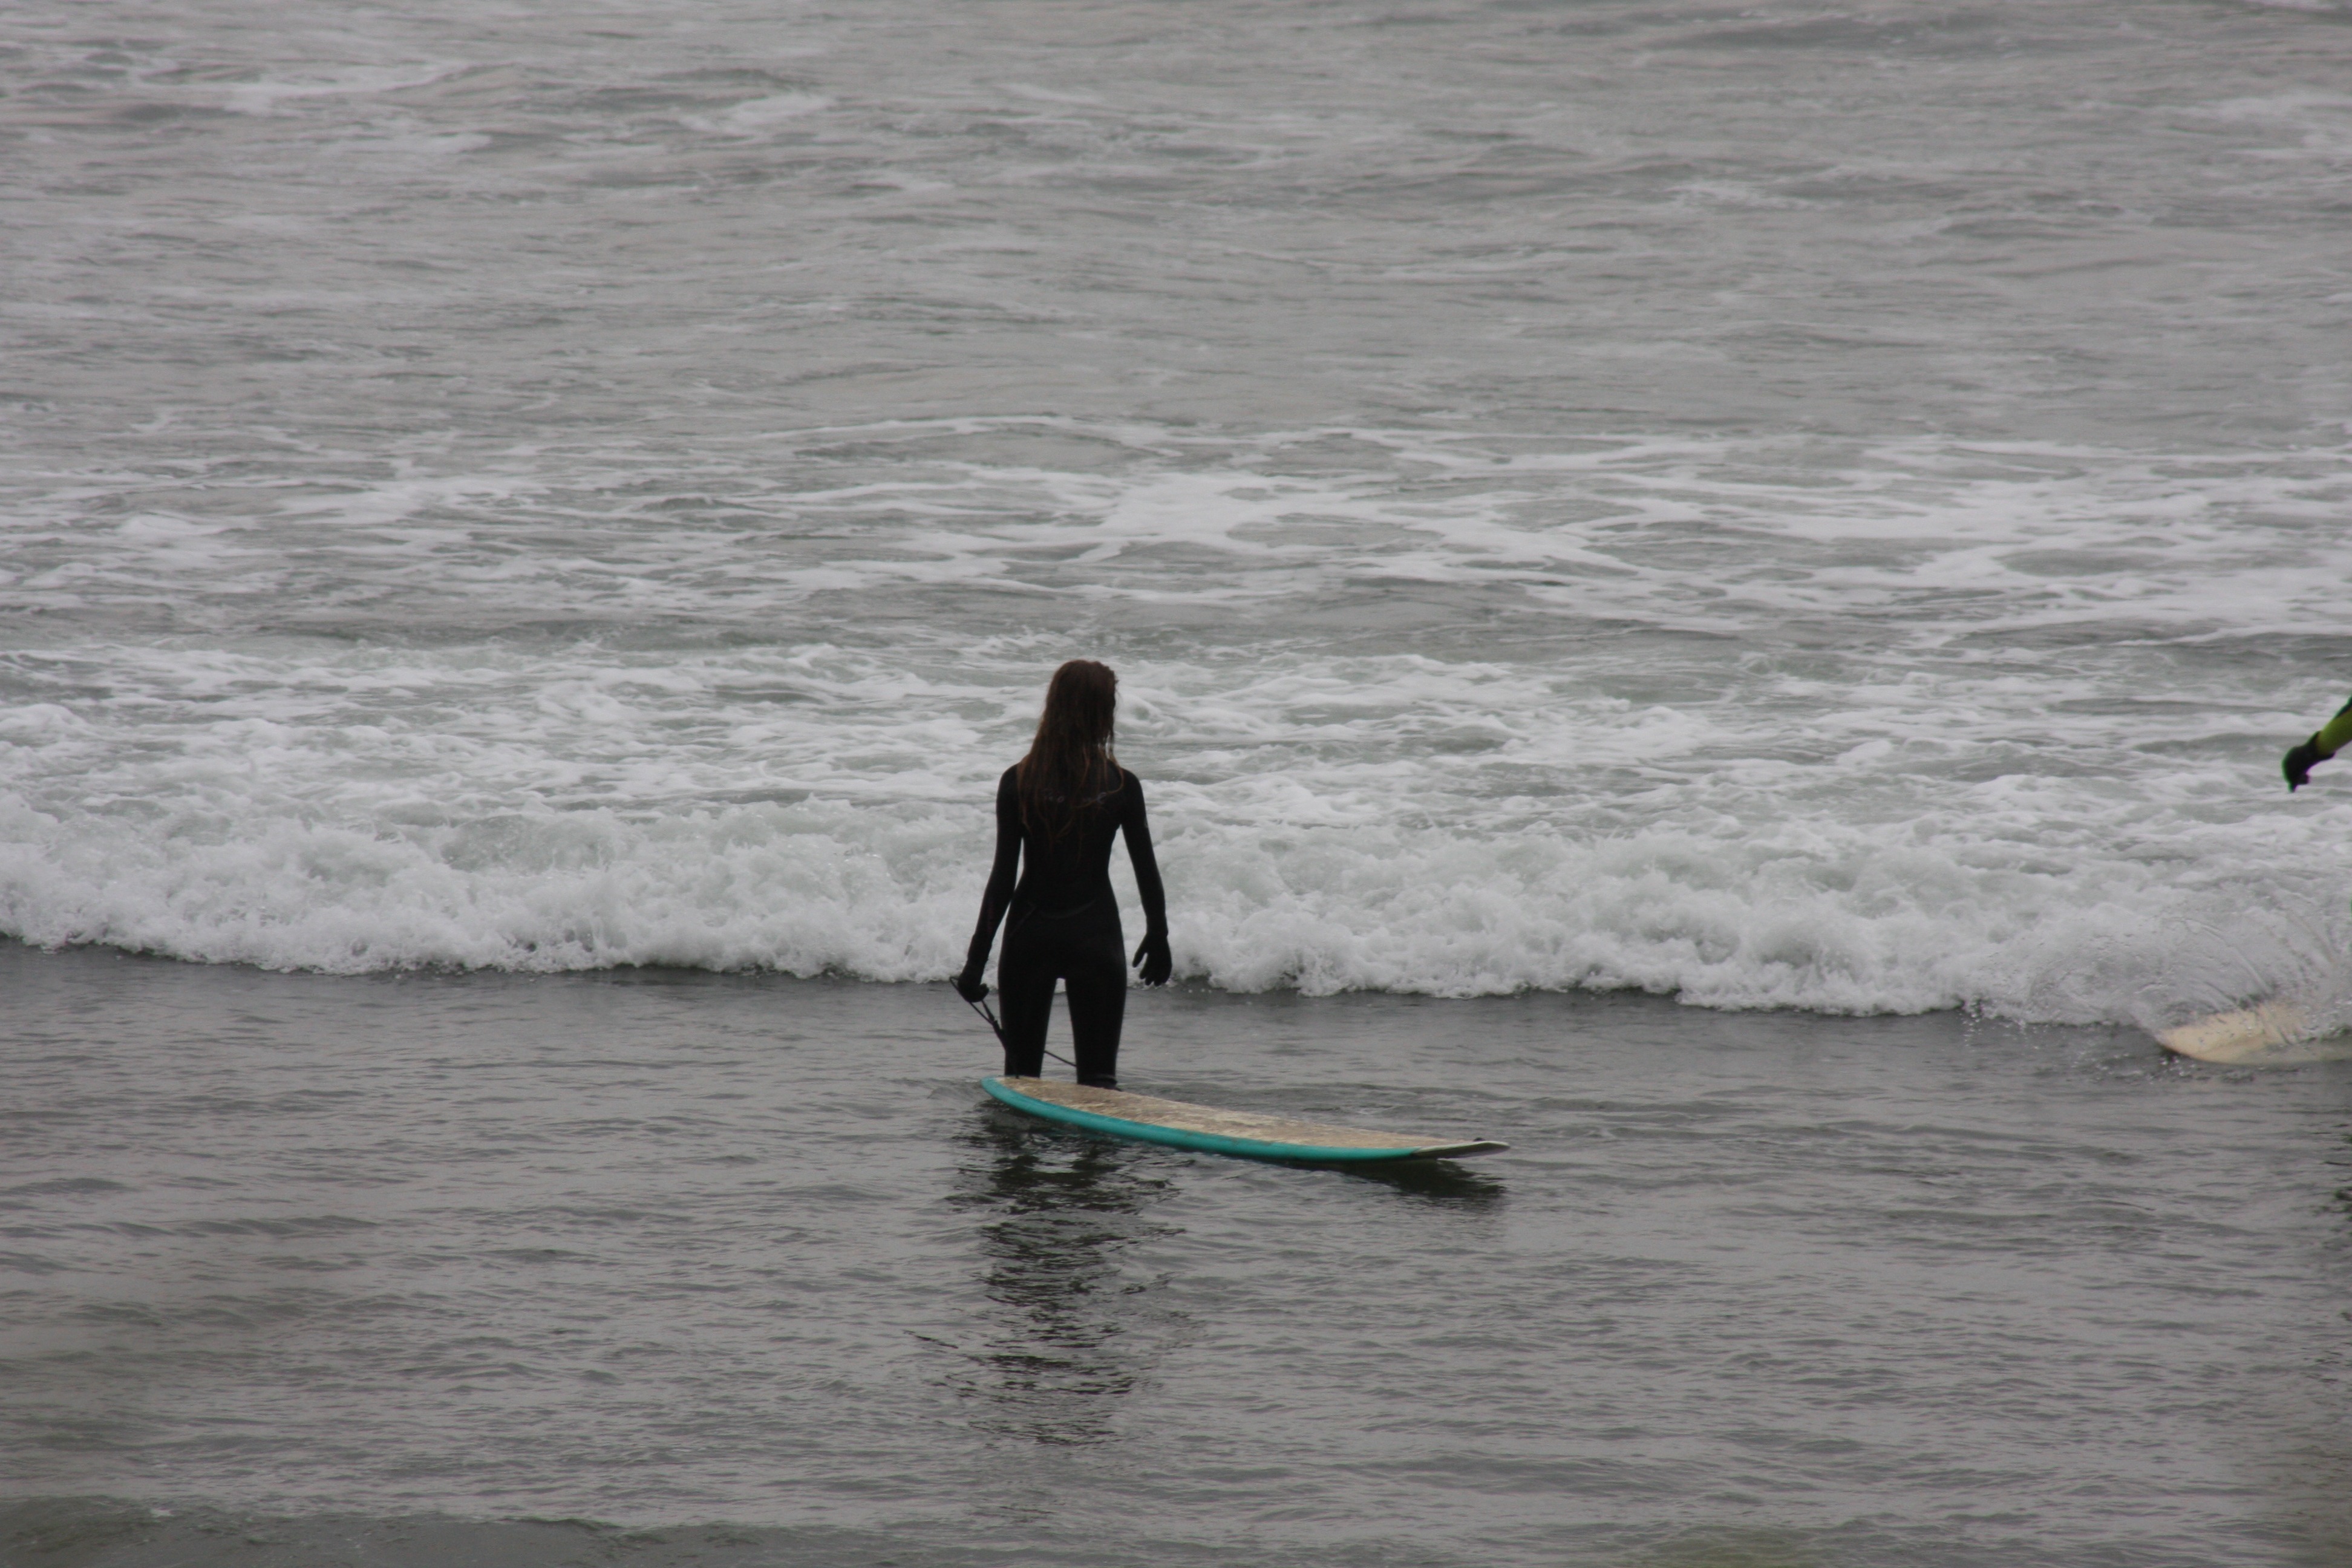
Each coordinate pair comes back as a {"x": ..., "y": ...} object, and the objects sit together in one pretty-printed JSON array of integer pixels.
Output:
[
  {"x": 2333, "y": 734},
  {"x": 1135, "y": 828},
  {"x": 1000, "y": 889},
  {"x": 2324, "y": 743}
]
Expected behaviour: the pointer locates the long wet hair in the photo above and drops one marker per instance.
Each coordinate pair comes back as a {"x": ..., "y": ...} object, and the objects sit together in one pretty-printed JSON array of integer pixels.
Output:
[{"x": 1070, "y": 763}]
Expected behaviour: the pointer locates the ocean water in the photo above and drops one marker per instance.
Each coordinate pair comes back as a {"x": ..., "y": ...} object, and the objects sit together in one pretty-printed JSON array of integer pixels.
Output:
[
  {"x": 1626, "y": 529},
  {"x": 673, "y": 1267},
  {"x": 1770, "y": 505}
]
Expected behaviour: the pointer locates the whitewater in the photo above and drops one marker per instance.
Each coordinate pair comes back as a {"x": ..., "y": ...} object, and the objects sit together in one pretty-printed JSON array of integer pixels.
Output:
[{"x": 1794, "y": 507}]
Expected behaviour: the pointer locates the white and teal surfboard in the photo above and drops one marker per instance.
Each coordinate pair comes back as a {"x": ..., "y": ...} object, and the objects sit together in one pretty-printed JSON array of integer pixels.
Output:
[{"x": 1246, "y": 1133}]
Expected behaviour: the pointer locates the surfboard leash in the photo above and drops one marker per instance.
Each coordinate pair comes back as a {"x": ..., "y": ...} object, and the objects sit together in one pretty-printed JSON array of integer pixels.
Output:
[{"x": 985, "y": 1011}]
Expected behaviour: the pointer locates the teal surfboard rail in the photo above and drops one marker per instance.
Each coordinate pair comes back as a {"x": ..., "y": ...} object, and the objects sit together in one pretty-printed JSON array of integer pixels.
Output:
[{"x": 1219, "y": 1143}]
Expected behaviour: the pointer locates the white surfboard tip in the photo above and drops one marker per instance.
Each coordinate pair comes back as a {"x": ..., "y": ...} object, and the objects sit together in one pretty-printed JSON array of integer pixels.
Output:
[{"x": 2237, "y": 1035}]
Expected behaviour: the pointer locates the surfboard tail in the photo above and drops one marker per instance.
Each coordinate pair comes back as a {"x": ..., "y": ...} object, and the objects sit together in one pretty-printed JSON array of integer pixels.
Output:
[{"x": 2241, "y": 1034}]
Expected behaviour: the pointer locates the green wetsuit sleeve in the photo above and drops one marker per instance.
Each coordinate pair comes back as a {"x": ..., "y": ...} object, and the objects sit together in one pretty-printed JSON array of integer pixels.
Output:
[{"x": 2336, "y": 733}]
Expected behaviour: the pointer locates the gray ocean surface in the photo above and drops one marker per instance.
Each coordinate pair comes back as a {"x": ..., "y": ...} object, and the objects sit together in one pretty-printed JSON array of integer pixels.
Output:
[
  {"x": 1712, "y": 590},
  {"x": 703, "y": 1269}
]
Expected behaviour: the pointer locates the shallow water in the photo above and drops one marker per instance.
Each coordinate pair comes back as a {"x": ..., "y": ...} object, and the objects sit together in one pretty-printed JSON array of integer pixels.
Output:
[{"x": 339, "y": 1264}]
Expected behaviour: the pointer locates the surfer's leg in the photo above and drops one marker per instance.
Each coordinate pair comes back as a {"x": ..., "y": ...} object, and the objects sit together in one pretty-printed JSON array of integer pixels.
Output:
[
  {"x": 1096, "y": 974},
  {"x": 1024, "y": 984}
]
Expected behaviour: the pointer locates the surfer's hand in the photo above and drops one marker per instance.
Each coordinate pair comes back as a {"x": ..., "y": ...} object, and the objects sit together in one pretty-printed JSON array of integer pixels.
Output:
[
  {"x": 1153, "y": 959},
  {"x": 2300, "y": 761},
  {"x": 969, "y": 986}
]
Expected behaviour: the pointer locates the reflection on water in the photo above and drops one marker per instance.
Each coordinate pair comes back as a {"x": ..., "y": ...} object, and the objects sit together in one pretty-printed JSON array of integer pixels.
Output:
[
  {"x": 1072, "y": 1329},
  {"x": 1071, "y": 1335},
  {"x": 1439, "y": 1182}
]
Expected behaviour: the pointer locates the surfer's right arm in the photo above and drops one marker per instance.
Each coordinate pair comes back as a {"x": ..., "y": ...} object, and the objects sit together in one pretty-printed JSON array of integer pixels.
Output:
[
  {"x": 1001, "y": 879},
  {"x": 2324, "y": 743}
]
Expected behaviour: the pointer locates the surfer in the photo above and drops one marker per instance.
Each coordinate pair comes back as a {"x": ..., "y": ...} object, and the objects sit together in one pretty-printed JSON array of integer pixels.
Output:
[
  {"x": 1057, "y": 810},
  {"x": 2324, "y": 743}
]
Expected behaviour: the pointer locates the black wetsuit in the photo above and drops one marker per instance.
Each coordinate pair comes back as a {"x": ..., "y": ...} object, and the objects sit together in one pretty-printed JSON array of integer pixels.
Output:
[{"x": 1061, "y": 923}]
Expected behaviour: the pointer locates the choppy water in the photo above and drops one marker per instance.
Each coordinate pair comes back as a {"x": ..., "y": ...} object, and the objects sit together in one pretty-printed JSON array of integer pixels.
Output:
[
  {"x": 1774, "y": 506},
  {"x": 1829, "y": 508}
]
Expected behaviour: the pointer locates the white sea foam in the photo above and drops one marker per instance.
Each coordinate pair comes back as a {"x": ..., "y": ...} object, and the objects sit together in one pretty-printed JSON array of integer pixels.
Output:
[
  {"x": 273, "y": 96},
  {"x": 1879, "y": 729},
  {"x": 753, "y": 116},
  {"x": 487, "y": 490}
]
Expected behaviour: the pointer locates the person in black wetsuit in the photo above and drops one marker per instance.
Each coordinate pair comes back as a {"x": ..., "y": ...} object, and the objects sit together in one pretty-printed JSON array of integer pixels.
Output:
[{"x": 1057, "y": 810}]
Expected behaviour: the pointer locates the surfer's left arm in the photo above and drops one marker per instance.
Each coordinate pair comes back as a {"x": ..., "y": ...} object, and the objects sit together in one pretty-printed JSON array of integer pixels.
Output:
[
  {"x": 1151, "y": 956},
  {"x": 2324, "y": 743}
]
